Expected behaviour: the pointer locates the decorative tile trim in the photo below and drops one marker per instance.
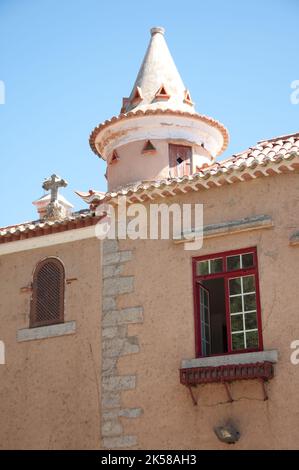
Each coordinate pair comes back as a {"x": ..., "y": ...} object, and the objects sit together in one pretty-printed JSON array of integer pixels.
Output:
[
  {"x": 43, "y": 332},
  {"x": 115, "y": 344}
]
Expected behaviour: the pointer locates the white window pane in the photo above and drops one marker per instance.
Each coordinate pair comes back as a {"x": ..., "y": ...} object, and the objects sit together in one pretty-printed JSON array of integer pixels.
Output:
[
  {"x": 252, "y": 340},
  {"x": 247, "y": 260},
  {"x": 235, "y": 286},
  {"x": 233, "y": 263},
  {"x": 236, "y": 304},
  {"x": 238, "y": 341},
  {"x": 248, "y": 284}
]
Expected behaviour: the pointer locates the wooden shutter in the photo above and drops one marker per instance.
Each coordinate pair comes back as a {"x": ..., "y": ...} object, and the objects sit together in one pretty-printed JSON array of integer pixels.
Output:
[
  {"x": 180, "y": 160},
  {"x": 47, "y": 304}
]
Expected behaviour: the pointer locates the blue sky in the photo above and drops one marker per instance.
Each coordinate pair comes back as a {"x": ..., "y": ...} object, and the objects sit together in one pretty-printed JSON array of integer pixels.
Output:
[{"x": 66, "y": 65}]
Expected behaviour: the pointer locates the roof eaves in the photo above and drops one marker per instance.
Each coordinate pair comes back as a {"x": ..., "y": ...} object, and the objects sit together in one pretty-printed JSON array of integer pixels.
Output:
[
  {"x": 227, "y": 172},
  {"x": 131, "y": 114}
]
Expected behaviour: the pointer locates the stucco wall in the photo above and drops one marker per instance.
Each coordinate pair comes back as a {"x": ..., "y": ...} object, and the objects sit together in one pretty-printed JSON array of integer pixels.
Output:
[
  {"x": 163, "y": 286},
  {"x": 134, "y": 166},
  {"x": 50, "y": 388}
]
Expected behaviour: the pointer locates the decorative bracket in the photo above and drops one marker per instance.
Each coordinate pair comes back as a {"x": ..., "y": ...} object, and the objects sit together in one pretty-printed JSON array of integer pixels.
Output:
[{"x": 226, "y": 374}]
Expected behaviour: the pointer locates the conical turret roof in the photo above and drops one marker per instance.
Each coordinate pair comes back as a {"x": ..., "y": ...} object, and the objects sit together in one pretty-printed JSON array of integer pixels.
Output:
[
  {"x": 158, "y": 84},
  {"x": 159, "y": 107}
]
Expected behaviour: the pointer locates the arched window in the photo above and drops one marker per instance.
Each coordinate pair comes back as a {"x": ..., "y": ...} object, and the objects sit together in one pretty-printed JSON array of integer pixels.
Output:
[{"x": 47, "y": 304}]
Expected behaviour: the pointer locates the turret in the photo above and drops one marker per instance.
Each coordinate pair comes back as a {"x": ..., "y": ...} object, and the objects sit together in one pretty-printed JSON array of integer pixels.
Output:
[{"x": 158, "y": 133}]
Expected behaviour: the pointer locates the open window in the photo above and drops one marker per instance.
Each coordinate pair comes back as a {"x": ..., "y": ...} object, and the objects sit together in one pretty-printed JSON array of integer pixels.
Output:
[
  {"x": 180, "y": 160},
  {"x": 227, "y": 305}
]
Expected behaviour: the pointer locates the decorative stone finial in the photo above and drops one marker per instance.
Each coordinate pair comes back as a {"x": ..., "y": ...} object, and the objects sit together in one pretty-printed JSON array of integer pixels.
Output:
[
  {"x": 157, "y": 29},
  {"x": 55, "y": 210},
  {"x": 53, "y": 184}
]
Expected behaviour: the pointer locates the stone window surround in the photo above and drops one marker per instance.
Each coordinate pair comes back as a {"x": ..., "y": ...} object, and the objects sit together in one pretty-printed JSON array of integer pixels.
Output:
[
  {"x": 231, "y": 359},
  {"x": 44, "y": 332}
]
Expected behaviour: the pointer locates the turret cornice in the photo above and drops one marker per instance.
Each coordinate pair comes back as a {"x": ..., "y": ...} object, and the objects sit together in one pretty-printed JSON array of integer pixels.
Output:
[{"x": 125, "y": 128}]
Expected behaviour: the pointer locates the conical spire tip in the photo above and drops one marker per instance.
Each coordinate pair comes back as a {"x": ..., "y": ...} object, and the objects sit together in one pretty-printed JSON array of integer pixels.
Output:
[{"x": 157, "y": 29}]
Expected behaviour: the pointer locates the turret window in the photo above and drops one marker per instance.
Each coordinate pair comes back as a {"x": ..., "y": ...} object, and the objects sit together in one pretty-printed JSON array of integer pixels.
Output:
[
  {"x": 126, "y": 101},
  {"x": 187, "y": 98},
  {"x": 180, "y": 160},
  {"x": 114, "y": 157},
  {"x": 162, "y": 93},
  {"x": 137, "y": 96},
  {"x": 47, "y": 303},
  {"x": 148, "y": 147}
]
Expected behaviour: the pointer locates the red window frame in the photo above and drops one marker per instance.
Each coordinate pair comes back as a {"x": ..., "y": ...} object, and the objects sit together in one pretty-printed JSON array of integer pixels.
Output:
[{"x": 226, "y": 275}]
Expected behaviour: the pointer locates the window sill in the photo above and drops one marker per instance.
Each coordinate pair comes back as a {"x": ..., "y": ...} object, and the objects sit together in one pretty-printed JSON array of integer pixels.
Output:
[
  {"x": 49, "y": 331},
  {"x": 231, "y": 359}
]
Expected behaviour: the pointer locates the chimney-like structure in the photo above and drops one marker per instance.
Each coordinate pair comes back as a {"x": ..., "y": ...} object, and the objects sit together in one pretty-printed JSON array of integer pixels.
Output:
[
  {"x": 158, "y": 133},
  {"x": 52, "y": 205}
]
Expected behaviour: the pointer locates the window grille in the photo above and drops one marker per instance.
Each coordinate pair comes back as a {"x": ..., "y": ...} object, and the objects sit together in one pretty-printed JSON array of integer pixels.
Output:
[{"x": 47, "y": 304}]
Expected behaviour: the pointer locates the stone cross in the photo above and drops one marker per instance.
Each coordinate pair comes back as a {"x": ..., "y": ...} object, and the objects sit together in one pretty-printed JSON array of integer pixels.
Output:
[{"x": 53, "y": 184}]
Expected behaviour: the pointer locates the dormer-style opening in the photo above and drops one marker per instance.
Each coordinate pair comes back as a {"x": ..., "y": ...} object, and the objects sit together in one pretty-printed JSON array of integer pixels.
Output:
[
  {"x": 162, "y": 93},
  {"x": 114, "y": 157},
  {"x": 187, "y": 98},
  {"x": 149, "y": 147},
  {"x": 124, "y": 105},
  {"x": 137, "y": 96}
]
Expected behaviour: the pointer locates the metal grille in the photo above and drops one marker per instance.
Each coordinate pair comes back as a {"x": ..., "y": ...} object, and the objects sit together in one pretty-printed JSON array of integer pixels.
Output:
[{"x": 48, "y": 293}]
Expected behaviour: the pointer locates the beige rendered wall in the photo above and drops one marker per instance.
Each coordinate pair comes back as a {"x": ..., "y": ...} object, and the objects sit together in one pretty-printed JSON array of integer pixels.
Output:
[
  {"x": 163, "y": 286},
  {"x": 50, "y": 388}
]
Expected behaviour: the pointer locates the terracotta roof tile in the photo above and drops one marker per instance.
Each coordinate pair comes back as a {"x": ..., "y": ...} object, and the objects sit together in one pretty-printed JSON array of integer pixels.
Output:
[
  {"x": 131, "y": 114},
  {"x": 39, "y": 227},
  {"x": 265, "y": 156}
]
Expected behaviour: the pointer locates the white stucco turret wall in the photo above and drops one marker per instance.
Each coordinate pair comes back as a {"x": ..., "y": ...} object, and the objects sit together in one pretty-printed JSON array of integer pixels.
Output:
[{"x": 134, "y": 166}]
